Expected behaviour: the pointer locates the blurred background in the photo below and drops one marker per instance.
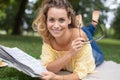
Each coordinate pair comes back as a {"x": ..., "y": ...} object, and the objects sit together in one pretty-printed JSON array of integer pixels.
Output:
[{"x": 16, "y": 16}]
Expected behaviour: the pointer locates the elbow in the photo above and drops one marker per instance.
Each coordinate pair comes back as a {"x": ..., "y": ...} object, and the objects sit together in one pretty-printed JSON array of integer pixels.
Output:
[{"x": 54, "y": 70}]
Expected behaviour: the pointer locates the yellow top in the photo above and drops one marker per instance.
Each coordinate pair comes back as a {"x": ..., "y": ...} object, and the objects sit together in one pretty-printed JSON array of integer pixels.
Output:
[{"x": 82, "y": 63}]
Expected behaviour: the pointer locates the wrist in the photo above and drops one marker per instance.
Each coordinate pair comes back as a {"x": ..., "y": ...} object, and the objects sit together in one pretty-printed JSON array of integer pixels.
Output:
[{"x": 58, "y": 77}]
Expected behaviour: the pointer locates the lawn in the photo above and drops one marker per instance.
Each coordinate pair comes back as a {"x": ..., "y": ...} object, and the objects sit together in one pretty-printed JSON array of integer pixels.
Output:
[{"x": 32, "y": 46}]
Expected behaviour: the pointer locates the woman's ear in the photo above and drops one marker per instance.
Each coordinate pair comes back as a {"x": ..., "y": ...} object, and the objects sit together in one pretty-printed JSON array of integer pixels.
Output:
[{"x": 69, "y": 20}]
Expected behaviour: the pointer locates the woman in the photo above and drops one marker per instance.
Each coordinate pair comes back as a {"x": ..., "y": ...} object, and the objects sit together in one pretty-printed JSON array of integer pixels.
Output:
[
  {"x": 63, "y": 48},
  {"x": 90, "y": 30}
]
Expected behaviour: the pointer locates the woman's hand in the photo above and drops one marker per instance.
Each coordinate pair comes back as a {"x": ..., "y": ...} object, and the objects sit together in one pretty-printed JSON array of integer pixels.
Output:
[
  {"x": 76, "y": 45},
  {"x": 49, "y": 76}
]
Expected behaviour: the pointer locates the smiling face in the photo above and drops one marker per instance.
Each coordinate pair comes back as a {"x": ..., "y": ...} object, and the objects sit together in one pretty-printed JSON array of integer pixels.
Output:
[{"x": 57, "y": 21}]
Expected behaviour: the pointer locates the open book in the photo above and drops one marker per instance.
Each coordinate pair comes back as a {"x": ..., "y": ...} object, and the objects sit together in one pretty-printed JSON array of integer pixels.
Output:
[{"x": 22, "y": 61}]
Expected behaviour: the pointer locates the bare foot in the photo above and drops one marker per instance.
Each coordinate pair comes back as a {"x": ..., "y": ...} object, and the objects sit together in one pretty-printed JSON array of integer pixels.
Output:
[
  {"x": 79, "y": 20},
  {"x": 95, "y": 17}
]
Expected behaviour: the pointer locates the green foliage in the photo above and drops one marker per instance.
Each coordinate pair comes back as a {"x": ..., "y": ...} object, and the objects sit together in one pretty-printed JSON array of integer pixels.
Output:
[
  {"x": 2, "y": 15},
  {"x": 75, "y": 3},
  {"x": 9, "y": 9},
  {"x": 116, "y": 24},
  {"x": 86, "y": 7}
]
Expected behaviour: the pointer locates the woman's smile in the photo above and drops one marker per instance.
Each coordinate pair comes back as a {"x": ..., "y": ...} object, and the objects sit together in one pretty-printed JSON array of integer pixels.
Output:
[{"x": 56, "y": 31}]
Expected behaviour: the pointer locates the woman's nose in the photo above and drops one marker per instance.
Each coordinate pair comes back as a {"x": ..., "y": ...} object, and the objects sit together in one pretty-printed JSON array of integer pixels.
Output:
[{"x": 56, "y": 25}]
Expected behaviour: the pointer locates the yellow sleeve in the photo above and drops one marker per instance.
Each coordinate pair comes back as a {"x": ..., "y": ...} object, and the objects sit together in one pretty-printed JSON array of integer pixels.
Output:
[
  {"x": 47, "y": 55},
  {"x": 85, "y": 62}
]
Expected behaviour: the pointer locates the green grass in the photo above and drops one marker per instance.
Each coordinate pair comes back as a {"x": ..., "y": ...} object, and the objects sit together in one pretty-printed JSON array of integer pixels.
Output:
[
  {"x": 111, "y": 49},
  {"x": 32, "y": 46}
]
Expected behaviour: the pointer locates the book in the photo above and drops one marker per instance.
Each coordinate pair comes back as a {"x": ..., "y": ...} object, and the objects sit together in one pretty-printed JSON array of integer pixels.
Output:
[{"x": 20, "y": 60}]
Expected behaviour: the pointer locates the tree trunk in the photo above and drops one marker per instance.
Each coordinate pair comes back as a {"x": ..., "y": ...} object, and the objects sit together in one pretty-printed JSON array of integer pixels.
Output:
[{"x": 18, "y": 18}]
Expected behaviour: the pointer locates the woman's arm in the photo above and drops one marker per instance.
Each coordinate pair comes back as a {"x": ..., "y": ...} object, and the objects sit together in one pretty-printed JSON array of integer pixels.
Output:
[
  {"x": 59, "y": 63},
  {"x": 84, "y": 64},
  {"x": 52, "y": 76}
]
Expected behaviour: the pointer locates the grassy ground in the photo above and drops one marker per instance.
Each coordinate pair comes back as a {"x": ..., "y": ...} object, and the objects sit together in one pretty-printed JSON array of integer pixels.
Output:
[
  {"x": 111, "y": 49},
  {"x": 32, "y": 46}
]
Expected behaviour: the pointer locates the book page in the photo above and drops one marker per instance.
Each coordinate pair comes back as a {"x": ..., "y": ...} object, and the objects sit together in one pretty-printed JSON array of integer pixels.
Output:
[{"x": 26, "y": 59}]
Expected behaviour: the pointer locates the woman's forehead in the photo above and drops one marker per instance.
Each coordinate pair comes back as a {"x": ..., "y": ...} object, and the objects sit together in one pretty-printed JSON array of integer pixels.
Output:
[{"x": 57, "y": 12}]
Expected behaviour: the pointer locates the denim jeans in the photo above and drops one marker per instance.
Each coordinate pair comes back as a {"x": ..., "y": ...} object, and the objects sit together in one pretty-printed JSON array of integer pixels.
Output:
[{"x": 97, "y": 53}]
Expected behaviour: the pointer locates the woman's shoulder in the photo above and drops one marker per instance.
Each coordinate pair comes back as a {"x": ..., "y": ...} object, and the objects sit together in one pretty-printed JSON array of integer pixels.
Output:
[
  {"x": 83, "y": 34},
  {"x": 79, "y": 33},
  {"x": 46, "y": 43}
]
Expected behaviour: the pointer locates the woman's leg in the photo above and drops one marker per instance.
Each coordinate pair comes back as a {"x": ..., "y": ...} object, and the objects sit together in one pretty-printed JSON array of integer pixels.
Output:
[
  {"x": 99, "y": 57},
  {"x": 97, "y": 53}
]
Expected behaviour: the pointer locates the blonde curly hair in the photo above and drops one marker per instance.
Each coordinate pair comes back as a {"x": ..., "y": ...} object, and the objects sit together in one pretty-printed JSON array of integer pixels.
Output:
[{"x": 40, "y": 22}]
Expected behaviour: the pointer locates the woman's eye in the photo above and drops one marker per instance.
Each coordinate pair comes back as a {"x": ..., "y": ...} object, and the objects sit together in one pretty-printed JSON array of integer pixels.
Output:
[
  {"x": 61, "y": 20},
  {"x": 51, "y": 20}
]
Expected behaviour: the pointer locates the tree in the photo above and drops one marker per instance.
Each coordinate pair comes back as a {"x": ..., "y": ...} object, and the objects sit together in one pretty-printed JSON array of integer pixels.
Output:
[
  {"x": 116, "y": 24},
  {"x": 18, "y": 18},
  {"x": 7, "y": 14}
]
